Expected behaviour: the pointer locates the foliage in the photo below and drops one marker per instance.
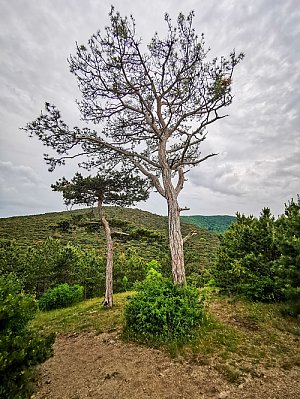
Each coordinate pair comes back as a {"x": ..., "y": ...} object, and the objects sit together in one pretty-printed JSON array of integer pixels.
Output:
[
  {"x": 143, "y": 233},
  {"x": 9, "y": 256},
  {"x": 114, "y": 187},
  {"x": 44, "y": 263},
  {"x": 216, "y": 223},
  {"x": 131, "y": 266},
  {"x": 288, "y": 241},
  {"x": 260, "y": 257},
  {"x": 20, "y": 348},
  {"x": 50, "y": 263},
  {"x": 246, "y": 262},
  {"x": 61, "y": 296},
  {"x": 63, "y": 225},
  {"x": 163, "y": 312},
  {"x": 32, "y": 231}
]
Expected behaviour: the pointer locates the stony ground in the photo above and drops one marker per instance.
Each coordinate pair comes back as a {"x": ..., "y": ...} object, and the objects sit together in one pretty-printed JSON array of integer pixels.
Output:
[{"x": 103, "y": 366}]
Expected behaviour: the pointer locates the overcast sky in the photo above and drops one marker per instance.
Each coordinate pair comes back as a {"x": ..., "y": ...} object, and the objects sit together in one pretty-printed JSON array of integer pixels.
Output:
[{"x": 258, "y": 144}]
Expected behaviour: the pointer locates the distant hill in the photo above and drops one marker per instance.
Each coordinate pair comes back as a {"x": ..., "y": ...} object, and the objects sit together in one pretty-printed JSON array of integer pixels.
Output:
[
  {"x": 216, "y": 223},
  {"x": 132, "y": 228}
]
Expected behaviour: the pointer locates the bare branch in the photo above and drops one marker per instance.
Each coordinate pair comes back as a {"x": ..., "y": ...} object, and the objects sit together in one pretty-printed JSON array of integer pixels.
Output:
[
  {"x": 190, "y": 235},
  {"x": 184, "y": 209},
  {"x": 180, "y": 182}
]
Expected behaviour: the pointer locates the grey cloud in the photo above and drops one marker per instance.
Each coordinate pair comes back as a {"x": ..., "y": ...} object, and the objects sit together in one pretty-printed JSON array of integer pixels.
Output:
[
  {"x": 268, "y": 181},
  {"x": 18, "y": 174},
  {"x": 22, "y": 190},
  {"x": 224, "y": 179},
  {"x": 258, "y": 143}
]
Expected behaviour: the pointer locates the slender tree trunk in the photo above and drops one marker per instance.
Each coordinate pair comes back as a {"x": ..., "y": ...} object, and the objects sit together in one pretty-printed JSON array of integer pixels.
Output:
[{"x": 108, "y": 299}]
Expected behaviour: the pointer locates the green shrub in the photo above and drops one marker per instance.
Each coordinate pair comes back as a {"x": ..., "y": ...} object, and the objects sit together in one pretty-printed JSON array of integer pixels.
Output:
[
  {"x": 50, "y": 263},
  {"x": 140, "y": 233},
  {"x": 20, "y": 348},
  {"x": 10, "y": 257},
  {"x": 61, "y": 296},
  {"x": 259, "y": 258},
  {"x": 162, "y": 312},
  {"x": 63, "y": 225},
  {"x": 247, "y": 259},
  {"x": 288, "y": 265},
  {"x": 131, "y": 265}
]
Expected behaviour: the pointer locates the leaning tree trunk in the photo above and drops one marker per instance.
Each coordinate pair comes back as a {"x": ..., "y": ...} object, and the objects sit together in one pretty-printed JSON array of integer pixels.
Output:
[{"x": 108, "y": 299}]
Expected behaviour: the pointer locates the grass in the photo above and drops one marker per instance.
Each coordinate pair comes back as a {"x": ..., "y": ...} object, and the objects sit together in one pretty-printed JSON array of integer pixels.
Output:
[
  {"x": 255, "y": 335},
  {"x": 89, "y": 315},
  {"x": 237, "y": 337}
]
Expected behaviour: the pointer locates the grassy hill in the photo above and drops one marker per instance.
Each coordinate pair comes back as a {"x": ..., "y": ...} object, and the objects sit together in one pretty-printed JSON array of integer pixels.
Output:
[
  {"x": 140, "y": 230},
  {"x": 216, "y": 223}
]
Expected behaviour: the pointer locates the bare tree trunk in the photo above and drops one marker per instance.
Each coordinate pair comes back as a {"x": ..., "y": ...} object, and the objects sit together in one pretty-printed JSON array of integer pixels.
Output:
[
  {"x": 176, "y": 242},
  {"x": 171, "y": 194},
  {"x": 108, "y": 299}
]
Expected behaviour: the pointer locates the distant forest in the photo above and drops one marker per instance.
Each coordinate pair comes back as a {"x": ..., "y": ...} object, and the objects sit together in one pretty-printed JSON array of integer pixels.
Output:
[{"x": 216, "y": 223}]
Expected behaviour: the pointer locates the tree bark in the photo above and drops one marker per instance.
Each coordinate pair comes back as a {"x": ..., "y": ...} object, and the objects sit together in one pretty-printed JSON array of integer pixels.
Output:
[
  {"x": 176, "y": 242},
  {"x": 171, "y": 194},
  {"x": 108, "y": 298}
]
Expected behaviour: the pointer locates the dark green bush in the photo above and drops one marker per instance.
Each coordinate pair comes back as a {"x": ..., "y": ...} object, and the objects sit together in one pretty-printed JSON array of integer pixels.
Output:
[
  {"x": 247, "y": 259},
  {"x": 288, "y": 241},
  {"x": 64, "y": 225},
  {"x": 259, "y": 258},
  {"x": 50, "y": 263},
  {"x": 131, "y": 265},
  {"x": 162, "y": 312},
  {"x": 140, "y": 233},
  {"x": 20, "y": 348},
  {"x": 61, "y": 296}
]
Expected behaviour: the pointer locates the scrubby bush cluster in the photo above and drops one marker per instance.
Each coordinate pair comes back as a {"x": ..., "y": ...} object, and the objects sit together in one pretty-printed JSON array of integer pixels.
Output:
[
  {"x": 247, "y": 258},
  {"x": 61, "y": 296},
  {"x": 162, "y": 312},
  {"x": 20, "y": 348},
  {"x": 288, "y": 265},
  {"x": 260, "y": 257},
  {"x": 50, "y": 263}
]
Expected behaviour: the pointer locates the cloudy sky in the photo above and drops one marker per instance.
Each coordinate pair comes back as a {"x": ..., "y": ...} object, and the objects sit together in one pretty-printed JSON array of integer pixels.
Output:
[{"x": 258, "y": 144}]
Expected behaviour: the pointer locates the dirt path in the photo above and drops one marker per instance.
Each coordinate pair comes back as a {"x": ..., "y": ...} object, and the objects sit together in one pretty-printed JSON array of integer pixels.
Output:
[{"x": 100, "y": 367}]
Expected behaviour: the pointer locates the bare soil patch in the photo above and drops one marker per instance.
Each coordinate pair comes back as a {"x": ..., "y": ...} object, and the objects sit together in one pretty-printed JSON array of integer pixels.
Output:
[{"x": 103, "y": 366}]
